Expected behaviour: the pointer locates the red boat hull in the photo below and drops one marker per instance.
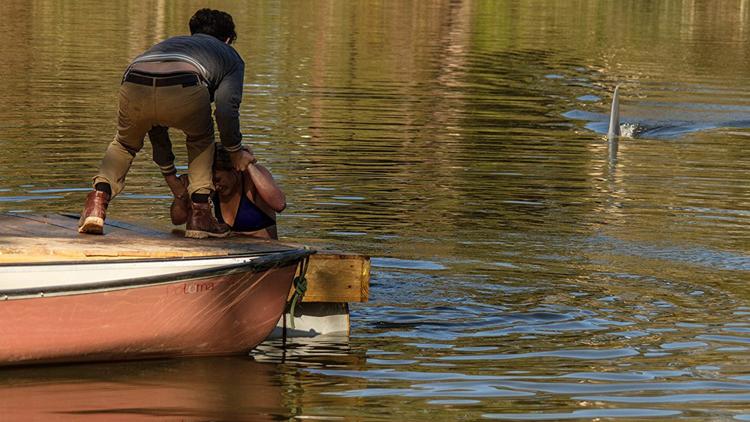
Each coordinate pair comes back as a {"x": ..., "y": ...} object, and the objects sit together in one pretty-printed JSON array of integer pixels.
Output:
[{"x": 213, "y": 315}]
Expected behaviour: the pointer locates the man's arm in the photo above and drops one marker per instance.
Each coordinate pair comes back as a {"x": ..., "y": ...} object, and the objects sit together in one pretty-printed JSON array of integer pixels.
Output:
[
  {"x": 163, "y": 156},
  {"x": 228, "y": 96},
  {"x": 161, "y": 147}
]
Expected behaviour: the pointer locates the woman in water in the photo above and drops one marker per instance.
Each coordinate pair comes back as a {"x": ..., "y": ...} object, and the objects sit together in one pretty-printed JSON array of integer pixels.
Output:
[{"x": 246, "y": 201}]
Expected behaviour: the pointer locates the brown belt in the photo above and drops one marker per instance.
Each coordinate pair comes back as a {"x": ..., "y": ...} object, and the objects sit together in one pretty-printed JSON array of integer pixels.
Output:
[{"x": 182, "y": 78}]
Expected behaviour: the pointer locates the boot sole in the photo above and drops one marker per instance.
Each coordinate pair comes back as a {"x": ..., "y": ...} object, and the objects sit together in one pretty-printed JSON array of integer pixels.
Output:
[
  {"x": 200, "y": 234},
  {"x": 92, "y": 225}
]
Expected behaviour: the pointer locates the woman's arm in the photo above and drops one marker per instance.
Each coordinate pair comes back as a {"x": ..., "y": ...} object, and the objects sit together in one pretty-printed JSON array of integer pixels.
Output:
[{"x": 267, "y": 188}]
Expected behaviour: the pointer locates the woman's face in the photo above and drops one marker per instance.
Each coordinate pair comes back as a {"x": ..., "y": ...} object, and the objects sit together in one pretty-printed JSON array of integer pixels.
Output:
[{"x": 225, "y": 181}]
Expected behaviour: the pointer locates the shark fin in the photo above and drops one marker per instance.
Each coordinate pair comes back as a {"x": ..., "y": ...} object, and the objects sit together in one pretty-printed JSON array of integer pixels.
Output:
[{"x": 614, "y": 116}]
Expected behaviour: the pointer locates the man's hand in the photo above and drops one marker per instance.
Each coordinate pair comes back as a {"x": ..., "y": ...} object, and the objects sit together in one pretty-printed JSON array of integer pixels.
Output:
[
  {"x": 241, "y": 159},
  {"x": 178, "y": 185}
]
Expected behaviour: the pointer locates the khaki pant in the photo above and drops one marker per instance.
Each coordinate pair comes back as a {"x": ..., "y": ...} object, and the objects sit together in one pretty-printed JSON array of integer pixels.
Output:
[{"x": 143, "y": 107}]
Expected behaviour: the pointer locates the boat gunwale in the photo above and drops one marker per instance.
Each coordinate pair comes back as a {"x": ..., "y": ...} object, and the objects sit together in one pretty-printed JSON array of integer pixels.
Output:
[
  {"x": 262, "y": 262},
  {"x": 142, "y": 259}
]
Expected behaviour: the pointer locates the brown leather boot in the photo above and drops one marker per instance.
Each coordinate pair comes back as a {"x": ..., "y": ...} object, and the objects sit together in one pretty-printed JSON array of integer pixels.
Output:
[
  {"x": 201, "y": 223},
  {"x": 94, "y": 212}
]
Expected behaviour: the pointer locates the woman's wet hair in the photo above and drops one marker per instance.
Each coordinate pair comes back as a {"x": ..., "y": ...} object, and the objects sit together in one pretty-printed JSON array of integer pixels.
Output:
[
  {"x": 212, "y": 22},
  {"x": 222, "y": 161}
]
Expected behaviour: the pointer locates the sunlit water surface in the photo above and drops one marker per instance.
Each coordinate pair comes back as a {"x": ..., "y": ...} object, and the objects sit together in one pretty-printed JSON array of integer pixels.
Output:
[{"x": 518, "y": 271}]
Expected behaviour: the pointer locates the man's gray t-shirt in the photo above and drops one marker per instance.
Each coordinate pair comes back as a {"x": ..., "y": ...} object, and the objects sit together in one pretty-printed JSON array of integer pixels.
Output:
[{"x": 223, "y": 69}]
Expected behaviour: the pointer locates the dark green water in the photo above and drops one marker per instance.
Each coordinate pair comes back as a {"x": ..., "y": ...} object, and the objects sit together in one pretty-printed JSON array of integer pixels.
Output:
[{"x": 519, "y": 273}]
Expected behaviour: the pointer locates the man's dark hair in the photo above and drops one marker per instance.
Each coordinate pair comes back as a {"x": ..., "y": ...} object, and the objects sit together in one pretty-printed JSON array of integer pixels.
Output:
[{"x": 215, "y": 23}]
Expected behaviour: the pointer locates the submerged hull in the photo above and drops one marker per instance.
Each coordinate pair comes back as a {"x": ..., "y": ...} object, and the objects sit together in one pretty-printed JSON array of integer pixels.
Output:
[{"x": 215, "y": 310}]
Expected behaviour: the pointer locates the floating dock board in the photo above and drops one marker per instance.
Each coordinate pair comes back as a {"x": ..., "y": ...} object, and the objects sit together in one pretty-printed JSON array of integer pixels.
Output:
[{"x": 332, "y": 277}]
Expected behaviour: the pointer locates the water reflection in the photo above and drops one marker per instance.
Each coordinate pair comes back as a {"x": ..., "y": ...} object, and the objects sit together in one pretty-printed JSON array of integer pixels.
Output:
[
  {"x": 191, "y": 389},
  {"x": 523, "y": 267}
]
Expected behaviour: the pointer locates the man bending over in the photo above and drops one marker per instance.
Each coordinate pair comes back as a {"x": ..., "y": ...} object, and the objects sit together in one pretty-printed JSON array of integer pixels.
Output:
[{"x": 173, "y": 84}]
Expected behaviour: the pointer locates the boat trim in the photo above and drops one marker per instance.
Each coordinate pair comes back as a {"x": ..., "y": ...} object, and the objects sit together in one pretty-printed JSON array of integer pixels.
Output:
[{"x": 260, "y": 263}]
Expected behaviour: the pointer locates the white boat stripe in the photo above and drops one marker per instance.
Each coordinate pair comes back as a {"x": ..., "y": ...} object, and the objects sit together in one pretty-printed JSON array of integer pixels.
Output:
[{"x": 23, "y": 277}]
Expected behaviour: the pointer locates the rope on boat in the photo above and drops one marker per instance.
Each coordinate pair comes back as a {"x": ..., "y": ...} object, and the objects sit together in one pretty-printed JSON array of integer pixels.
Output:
[{"x": 300, "y": 287}]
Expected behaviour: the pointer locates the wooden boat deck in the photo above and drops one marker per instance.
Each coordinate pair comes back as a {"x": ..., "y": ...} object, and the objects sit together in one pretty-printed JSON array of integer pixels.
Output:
[{"x": 30, "y": 238}]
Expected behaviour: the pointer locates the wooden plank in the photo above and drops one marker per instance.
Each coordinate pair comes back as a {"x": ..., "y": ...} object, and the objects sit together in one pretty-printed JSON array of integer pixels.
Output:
[
  {"x": 332, "y": 276},
  {"x": 31, "y": 224},
  {"x": 35, "y": 238},
  {"x": 337, "y": 277}
]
